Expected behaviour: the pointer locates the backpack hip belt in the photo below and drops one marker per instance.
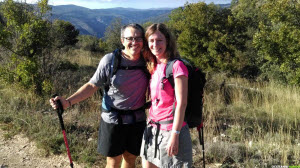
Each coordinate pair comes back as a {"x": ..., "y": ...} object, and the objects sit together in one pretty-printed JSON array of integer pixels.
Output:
[{"x": 123, "y": 112}]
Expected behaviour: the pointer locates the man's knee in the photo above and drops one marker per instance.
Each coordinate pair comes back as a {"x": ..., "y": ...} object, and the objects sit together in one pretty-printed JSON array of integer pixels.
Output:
[
  {"x": 129, "y": 158},
  {"x": 113, "y": 162}
]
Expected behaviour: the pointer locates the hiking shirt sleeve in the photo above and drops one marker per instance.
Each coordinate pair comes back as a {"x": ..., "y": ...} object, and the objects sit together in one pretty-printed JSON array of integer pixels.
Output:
[
  {"x": 101, "y": 75},
  {"x": 180, "y": 69}
]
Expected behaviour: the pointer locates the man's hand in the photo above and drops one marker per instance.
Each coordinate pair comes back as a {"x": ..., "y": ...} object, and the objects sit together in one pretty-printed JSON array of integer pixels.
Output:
[{"x": 64, "y": 102}]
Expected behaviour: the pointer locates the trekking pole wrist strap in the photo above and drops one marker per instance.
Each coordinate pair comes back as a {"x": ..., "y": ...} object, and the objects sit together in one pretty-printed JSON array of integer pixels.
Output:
[{"x": 69, "y": 101}]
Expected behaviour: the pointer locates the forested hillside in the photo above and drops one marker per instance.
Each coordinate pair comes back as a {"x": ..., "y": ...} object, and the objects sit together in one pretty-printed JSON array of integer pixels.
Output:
[
  {"x": 95, "y": 21},
  {"x": 250, "y": 52}
]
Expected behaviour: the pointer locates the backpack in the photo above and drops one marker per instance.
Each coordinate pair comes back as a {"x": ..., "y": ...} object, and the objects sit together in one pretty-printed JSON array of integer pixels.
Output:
[{"x": 196, "y": 83}]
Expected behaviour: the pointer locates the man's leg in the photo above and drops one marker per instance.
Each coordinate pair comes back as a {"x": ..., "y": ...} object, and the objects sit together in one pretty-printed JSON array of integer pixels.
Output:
[
  {"x": 134, "y": 135},
  {"x": 113, "y": 162},
  {"x": 128, "y": 160}
]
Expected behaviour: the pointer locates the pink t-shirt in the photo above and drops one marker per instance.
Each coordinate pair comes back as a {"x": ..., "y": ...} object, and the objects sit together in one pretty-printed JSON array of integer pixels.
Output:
[{"x": 162, "y": 100}]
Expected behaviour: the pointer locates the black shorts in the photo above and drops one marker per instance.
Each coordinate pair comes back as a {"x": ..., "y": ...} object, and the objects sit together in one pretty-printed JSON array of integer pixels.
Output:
[{"x": 114, "y": 139}]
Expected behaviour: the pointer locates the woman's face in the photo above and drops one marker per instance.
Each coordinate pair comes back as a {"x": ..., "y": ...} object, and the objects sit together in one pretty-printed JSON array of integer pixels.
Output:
[{"x": 157, "y": 44}]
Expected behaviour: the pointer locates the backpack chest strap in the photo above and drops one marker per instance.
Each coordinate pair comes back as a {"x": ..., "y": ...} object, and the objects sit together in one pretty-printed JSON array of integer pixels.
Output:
[{"x": 160, "y": 122}]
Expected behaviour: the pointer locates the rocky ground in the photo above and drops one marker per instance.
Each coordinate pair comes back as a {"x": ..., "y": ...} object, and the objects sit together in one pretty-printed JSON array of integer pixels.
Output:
[{"x": 19, "y": 152}]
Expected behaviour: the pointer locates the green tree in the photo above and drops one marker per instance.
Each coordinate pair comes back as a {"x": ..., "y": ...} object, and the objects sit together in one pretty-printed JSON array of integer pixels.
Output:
[
  {"x": 248, "y": 13},
  {"x": 26, "y": 36},
  {"x": 209, "y": 35},
  {"x": 176, "y": 21},
  {"x": 112, "y": 35},
  {"x": 1, "y": 20},
  {"x": 88, "y": 43},
  {"x": 147, "y": 24},
  {"x": 278, "y": 39},
  {"x": 28, "y": 33},
  {"x": 64, "y": 33},
  {"x": 102, "y": 45}
]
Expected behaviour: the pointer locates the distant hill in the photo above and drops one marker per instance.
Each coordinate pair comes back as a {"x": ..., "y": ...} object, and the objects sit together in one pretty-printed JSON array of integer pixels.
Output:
[
  {"x": 225, "y": 5},
  {"x": 94, "y": 21}
]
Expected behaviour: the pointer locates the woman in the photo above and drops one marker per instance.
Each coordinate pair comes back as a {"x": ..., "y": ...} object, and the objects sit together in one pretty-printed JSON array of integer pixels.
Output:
[{"x": 166, "y": 141}]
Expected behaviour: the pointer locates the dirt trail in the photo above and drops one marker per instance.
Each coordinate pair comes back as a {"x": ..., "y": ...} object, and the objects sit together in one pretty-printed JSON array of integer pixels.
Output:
[{"x": 19, "y": 152}]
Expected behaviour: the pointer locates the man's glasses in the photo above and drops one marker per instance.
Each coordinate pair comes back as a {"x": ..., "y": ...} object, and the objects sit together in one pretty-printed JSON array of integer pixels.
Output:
[{"x": 131, "y": 39}]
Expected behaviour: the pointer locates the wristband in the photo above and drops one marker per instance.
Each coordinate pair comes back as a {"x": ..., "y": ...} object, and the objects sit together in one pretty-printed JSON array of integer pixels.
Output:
[
  {"x": 70, "y": 104},
  {"x": 176, "y": 132}
]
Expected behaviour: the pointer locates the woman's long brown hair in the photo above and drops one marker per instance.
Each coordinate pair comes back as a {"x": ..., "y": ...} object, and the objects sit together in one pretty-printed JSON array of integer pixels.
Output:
[{"x": 171, "y": 49}]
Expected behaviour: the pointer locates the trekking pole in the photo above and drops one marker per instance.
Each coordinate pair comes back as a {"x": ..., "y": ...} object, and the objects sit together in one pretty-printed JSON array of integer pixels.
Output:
[
  {"x": 60, "y": 111},
  {"x": 201, "y": 139}
]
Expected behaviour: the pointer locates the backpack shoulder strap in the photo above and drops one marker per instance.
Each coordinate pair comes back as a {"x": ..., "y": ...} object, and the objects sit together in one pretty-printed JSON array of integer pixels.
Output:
[
  {"x": 169, "y": 71},
  {"x": 115, "y": 63}
]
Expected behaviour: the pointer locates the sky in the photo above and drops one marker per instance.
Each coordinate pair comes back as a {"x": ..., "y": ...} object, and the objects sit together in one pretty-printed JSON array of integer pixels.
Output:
[{"x": 139, "y": 4}]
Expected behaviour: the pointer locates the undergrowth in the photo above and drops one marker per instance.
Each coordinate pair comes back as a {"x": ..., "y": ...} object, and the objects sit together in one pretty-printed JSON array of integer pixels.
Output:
[{"x": 251, "y": 124}]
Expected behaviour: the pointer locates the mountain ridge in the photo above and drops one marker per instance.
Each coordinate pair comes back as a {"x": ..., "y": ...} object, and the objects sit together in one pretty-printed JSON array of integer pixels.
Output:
[{"x": 95, "y": 21}]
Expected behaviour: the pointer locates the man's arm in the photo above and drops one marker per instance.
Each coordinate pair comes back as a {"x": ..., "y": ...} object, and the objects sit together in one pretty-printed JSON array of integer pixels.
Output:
[{"x": 86, "y": 91}]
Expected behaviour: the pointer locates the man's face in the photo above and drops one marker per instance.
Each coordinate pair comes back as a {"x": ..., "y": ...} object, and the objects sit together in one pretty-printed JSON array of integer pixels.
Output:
[{"x": 132, "y": 40}]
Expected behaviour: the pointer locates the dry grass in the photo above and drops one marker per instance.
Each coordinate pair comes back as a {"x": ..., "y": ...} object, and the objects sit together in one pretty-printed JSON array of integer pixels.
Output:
[
  {"x": 83, "y": 58},
  {"x": 262, "y": 119}
]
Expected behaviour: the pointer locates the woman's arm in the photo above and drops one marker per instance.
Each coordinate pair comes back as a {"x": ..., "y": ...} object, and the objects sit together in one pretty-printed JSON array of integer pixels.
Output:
[{"x": 181, "y": 90}]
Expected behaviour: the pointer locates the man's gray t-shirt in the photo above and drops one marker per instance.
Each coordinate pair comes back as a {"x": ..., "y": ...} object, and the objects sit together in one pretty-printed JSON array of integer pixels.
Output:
[{"x": 127, "y": 90}]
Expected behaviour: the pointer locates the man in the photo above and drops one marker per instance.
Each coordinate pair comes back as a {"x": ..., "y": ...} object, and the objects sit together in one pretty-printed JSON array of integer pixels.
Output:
[{"x": 123, "y": 117}]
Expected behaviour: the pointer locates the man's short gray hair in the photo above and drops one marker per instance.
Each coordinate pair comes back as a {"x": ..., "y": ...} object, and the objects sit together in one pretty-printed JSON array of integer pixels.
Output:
[{"x": 135, "y": 26}]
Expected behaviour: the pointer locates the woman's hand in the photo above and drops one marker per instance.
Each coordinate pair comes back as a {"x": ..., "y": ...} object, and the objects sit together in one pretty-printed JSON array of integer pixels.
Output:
[
  {"x": 173, "y": 145},
  {"x": 64, "y": 102}
]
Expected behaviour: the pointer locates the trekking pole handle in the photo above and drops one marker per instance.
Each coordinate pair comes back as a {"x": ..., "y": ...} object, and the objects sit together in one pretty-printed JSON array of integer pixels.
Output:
[{"x": 59, "y": 111}]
